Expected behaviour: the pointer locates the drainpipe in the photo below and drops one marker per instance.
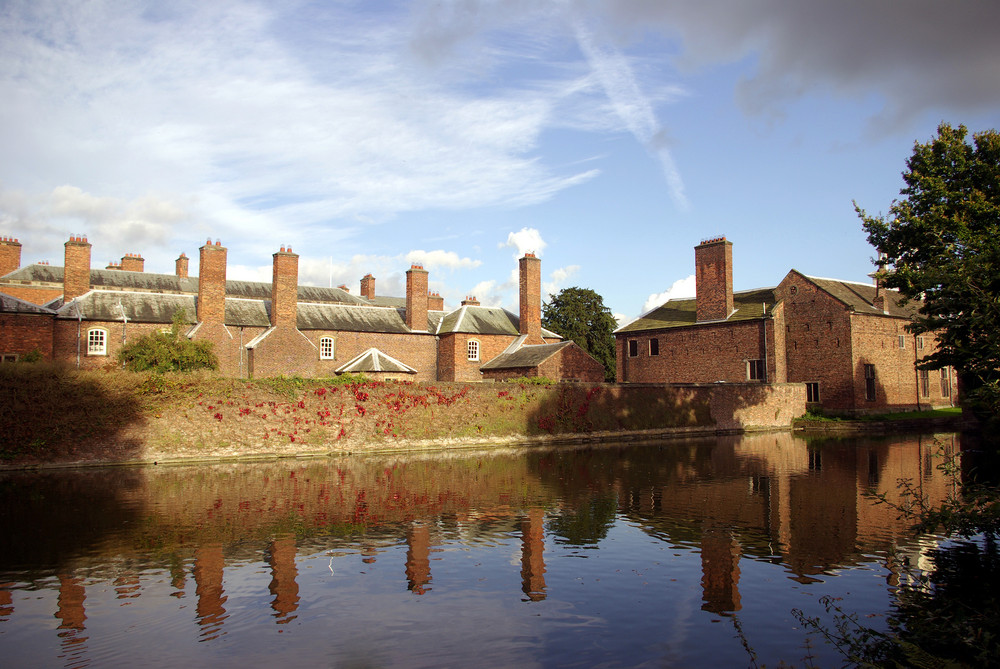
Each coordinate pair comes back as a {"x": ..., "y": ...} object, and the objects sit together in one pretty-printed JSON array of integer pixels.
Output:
[
  {"x": 915, "y": 370},
  {"x": 79, "y": 327},
  {"x": 763, "y": 320}
]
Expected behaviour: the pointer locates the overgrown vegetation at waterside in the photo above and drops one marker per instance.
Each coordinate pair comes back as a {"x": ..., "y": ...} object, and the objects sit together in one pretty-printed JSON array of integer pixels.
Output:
[{"x": 51, "y": 413}]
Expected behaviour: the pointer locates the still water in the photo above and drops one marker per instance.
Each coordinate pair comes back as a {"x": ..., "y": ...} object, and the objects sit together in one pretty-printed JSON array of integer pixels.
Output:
[{"x": 618, "y": 555}]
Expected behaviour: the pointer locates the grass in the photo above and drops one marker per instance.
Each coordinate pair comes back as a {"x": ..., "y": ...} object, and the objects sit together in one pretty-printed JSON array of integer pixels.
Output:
[{"x": 946, "y": 412}]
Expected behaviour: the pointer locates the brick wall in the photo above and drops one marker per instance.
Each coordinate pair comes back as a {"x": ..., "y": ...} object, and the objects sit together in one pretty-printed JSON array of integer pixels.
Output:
[
  {"x": 454, "y": 361},
  {"x": 24, "y": 333},
  {"x": 35, "y": 294},
  {"x": 530, "y": 298},
  {"x": 416, "y": 298},
  {"x": 212, "y": 283},
  {"x": 76, "y": 269},
  {"x": 572, "y": 363},
  {"x": 284, "y": 351},
  {"x": 133, "y": 262},
  {"x": 713, "y": 261},
  {"x": 284, "y": 289},
  {"x": 419, "y": 351}
]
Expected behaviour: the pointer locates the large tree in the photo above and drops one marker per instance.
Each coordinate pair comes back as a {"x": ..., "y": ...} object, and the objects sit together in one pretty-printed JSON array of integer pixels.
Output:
[
  {"x": 579, "y": 314},
  {"x": 940, "y": 243}
]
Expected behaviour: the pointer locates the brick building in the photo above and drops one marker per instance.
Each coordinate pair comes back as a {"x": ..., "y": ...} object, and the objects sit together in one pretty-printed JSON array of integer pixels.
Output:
[
  {"x": 846, "y": 341},
  {"x": 84, "y": 316}
]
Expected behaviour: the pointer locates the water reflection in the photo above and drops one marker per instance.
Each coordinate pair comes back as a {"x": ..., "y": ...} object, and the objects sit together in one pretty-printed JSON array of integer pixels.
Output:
[{"x": 772, "y": 499}]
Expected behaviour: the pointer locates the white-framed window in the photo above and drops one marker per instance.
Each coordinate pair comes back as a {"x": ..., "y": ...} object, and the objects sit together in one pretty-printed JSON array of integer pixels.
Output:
[
  {"x": 473, "y": 351},
  {"x": 97, "y": 341},
  {"x": 326, "y": 348},
  {"x": 8, "y": 357},
  {"x": 755, "y": 370},
  {"x": 633, "y": 348},
  {"x": 920, "y": 343}
]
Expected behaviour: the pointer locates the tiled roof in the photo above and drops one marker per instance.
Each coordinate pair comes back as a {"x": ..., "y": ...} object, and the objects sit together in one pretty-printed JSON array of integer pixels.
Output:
[
  {"x": 109, "y": 305},
  {"x": 526, "y": 356},
  {"x": 859, "y": 297},
  {"x": 10, "y": 304},
  {"x": 471, "y": 319},
  {"x": 374, "y": 360},
  {"x": 747, "y": 304}
]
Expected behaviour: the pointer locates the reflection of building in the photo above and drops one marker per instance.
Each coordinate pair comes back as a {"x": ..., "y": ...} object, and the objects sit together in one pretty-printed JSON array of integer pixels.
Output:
[
  {"x": 209, "y": 565},
  {"x": 533, "y": 554},
  {"x": 846, "y": 341},
  {"x": 418, "y": 557},
  {"x": 84, "y": 316},
  {"x": 720, "y": 564},
  {"x": 283, "y": 586}
]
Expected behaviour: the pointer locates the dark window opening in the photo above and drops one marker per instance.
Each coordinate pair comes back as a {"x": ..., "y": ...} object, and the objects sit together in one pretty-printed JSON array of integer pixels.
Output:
[{"x": 654, "y": 347}]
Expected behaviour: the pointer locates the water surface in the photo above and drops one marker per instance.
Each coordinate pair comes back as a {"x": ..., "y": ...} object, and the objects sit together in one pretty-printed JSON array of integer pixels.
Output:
[{"x": 618, "y": 555}]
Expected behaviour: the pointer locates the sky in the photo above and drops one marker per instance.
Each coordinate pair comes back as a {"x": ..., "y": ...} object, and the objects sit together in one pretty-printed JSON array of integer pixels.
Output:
[{"x": 608, "y": 137}]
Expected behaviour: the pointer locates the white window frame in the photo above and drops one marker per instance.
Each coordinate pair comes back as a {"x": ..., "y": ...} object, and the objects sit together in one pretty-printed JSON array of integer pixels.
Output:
[
  {"x": 97, "y": 341},
  {"x": 472, "y": 350},
  {"x": 756, "y": 365},
  {"x": 327, "y": 348},
  {"x": 8, "y": 357}
]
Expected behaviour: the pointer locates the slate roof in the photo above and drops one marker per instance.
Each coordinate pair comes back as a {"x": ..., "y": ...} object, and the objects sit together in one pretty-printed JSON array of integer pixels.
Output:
[
  {"x": 747, "y": 304},
  {"x": 103, "y": 305},
  {"x": 12, "y": 305},
  {"x": 374, "y": 360},
  {"x": 471, "y": 319},
  {"x": 859, "y": 296},
  {"x": 526, "y": 356}
]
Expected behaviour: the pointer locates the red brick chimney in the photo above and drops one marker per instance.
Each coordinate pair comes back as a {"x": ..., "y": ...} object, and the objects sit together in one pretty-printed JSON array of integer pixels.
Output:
[
  {"x": 113, "y": 265},
  {"x": 285, "y": 289},
  {"x": 76, "y": 268},
  {"x": 368, "y": 287},
  {"x": 10, "y": 255},
  {"x": 344, "y": 288},
  {"x": 416, "y": 298},
  {"x": 181, "y": 266},
  {"x": 530, "y": 282},
  {"x": 212, "y": 283},
  {"x": 133, "y": 262},
  {"x": 713, "y": 260},
  {"x": 435, "y": 302},
  {"x": 470, "y": 301}
]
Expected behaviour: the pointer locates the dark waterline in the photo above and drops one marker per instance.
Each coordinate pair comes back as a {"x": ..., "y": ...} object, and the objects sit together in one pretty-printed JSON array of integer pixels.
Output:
[{"x": 621, "y": 555}]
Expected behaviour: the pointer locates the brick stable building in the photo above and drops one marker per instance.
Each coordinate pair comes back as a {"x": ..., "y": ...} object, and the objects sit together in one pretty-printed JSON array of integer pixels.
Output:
[
  {"x": 846, "y": 341},
  {"x": 84, "y": 316}
]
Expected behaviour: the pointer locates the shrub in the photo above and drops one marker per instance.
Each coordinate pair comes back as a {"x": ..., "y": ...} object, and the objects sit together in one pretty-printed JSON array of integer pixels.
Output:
[{"x": 168, "y": 351}]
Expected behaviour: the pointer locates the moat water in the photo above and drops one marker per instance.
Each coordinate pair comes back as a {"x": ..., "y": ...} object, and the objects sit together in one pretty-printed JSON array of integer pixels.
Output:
[{"x": 677, "y": 553}]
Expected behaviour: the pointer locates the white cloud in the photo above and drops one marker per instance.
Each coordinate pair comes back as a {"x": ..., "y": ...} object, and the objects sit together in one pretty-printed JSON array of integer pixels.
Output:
[
  {"x": 525, "y": 240},
  {"x": 441, "y": 259},
  {"x": 678, "y": 289},
  {"x": 557, "y": 279}
]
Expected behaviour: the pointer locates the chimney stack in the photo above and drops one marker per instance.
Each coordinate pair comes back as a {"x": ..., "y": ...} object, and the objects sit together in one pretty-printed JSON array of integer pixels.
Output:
[
  {"x": 181, "y": 266},
  {"x": 113, "y": 265},
  {"x": 76, "y": 268},
  {"x": 470, "y": 301},
  {"x": 713, "y": 260},
  {"x": 530, "y": 284},
  {"x": 435, "y": 302},
  {"x": 368, "y": 287},
  {"x": 10, "y": 255},
  {"x": 212, "y": 283},
  {"x": 133, "y": 262},
  {"x": 285, "y": 289},
  {"x": 416, "y": 298}
]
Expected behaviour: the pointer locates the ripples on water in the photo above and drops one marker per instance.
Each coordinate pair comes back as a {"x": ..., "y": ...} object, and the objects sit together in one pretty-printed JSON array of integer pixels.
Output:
[{"x": 609, "y": 556}]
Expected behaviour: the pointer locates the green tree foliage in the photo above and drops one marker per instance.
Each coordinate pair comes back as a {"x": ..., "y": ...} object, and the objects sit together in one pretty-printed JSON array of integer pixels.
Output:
[
  {"x": 941, "y": 242},
  {"x": 579, "y": 314},
  {"x": 168, "y": 351}
]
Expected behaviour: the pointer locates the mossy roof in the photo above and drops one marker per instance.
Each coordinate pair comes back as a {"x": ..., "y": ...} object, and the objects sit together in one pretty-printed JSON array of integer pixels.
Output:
[
  {"x": 747, "y": 305},
  {"x": 526, "y": 356}
]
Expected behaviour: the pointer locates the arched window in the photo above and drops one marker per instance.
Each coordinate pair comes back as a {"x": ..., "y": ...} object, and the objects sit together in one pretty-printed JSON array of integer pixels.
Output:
[
  {"x": 97, "y": 341},
  {"x": 473, "y": 350},
  {"x": 326, "y": 348}
]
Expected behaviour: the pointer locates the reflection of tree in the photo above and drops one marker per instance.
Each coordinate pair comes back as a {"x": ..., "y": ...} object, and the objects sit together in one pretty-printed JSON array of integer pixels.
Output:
[{"x": 587, "y": 521}]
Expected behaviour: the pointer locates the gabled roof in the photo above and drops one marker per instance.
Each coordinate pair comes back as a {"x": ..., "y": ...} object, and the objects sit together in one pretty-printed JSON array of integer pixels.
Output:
[
  {"x": 859, "y": 296},
  {"x": 12, "y": 305},
  {"x": 747, "y": 305},
  {"x": 471, "y": 319},
  {"x": 374, "y": 360},
  {"x": 526, "y": 356}
]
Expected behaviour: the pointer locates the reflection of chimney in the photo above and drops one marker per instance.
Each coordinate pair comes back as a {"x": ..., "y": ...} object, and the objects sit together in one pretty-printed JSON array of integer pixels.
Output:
[
  {"x": 720, "y": 567},
  {"x": 285, "y": 288},
  {"x": 127, "y": 586},
  {"x": 368, "y": 287},
  {"x": 418, "y": 557},
  {"x": 10, "y": 255},
  {"x": 530, "y": 284},
  {"x": 181, "y": 266},
  {"x": 416, "y": 298},
  {"x": 435, "y": 302},
  {"x": 283, "y": 584},
  {"x": 133, "y": 262},
  {"x": 532, "y": 555},
  {"x": 212, "y": 283},
  {"x": 76, "y": 269},
  {"x": 72, "y": 594},
  {"x": 208, "y": 571},
  {"x": 713, "y": 260}
]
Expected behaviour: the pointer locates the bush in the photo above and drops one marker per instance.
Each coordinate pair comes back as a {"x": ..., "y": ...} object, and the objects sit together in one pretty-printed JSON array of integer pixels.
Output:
[{"x": 168, "y": 352}]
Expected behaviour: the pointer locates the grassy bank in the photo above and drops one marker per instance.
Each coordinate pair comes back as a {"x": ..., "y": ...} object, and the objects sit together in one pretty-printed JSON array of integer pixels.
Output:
[{"x": 55, "y": 414}]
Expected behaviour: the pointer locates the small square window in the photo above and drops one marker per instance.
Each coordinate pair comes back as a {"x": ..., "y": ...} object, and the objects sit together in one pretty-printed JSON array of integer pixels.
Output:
[
  {"x": 633, "y": 348},
  {"x": 8, "y": 357},
  {"x": 654, "y": 347},
  {"x": 97, "y": 342},
  {"x": 326, "y": 348},
  {"x": 473, "y": 350}
]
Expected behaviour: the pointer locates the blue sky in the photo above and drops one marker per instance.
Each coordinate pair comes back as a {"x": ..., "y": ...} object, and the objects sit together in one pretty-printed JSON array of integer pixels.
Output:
[{"x": 607, "y": 136}]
